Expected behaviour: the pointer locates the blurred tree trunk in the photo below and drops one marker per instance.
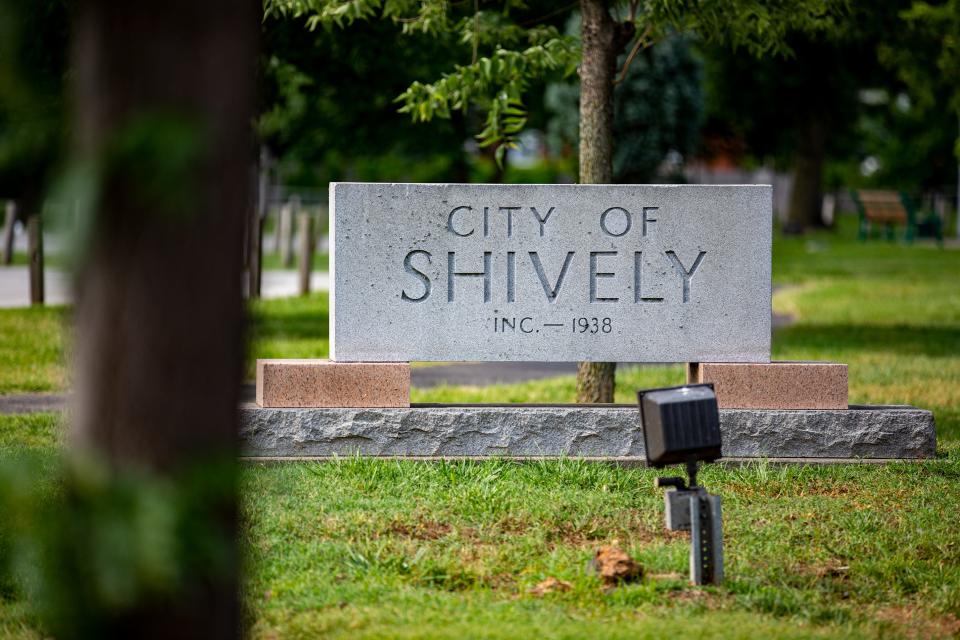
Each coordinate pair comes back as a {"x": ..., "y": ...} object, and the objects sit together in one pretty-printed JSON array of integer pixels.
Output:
[
  {"x": 602, "y": 40},
  {"x": 163, "y": 103},
  {"x": 806, "y": 196}
]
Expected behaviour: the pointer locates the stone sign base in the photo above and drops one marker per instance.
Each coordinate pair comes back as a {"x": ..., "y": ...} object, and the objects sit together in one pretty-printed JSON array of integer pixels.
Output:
[
  {"x": 774, "y": 385},
  {"x": 590, "y": 431},
  {"x": 322, "y": 383}
]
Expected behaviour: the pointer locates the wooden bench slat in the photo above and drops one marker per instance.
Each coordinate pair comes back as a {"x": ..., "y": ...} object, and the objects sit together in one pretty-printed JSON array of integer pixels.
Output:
[{"x": 883, "y": 206}]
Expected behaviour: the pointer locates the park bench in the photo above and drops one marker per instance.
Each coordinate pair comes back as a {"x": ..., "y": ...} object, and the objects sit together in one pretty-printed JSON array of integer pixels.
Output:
[{"x": 892, "y": 209}]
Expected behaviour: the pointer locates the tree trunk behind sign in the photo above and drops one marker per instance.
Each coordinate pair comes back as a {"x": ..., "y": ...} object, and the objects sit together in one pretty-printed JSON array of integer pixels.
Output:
[
  {"x": 602, "y": 40},
  {"x": 806, "y": 196},
  {"x": 163, "y": 105}
]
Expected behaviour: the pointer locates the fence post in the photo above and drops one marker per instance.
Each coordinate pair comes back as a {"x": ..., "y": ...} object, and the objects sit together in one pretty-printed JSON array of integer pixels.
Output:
[
  {"x": 305, "y": 224},
  {"x": 255, "y": 255},
  {"x": 322, "y": 243},
  {"x": 289, "y": 214},
  {"x": 281, "y": 235},
  {"x": 254, "y": 231},
  {"x": 35, "y": 257},
  {"x": 9, "y": 223}
]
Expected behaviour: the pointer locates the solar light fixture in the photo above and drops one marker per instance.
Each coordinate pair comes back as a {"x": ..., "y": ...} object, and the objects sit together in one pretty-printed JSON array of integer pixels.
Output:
[{"x": 682, "y": 425}]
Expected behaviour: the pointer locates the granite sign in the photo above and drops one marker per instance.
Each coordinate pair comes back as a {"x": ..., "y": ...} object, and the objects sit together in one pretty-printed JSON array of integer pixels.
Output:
[{"x": 629, "y": 273}]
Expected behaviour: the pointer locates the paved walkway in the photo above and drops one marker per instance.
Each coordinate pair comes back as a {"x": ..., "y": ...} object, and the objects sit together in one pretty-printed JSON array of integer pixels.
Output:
[
  {"x": 466, "y": 373},
  {"x": 54, "y": 402},
  {"x": 487, "y": 373},
  {"x": 15, "y": 285},
  {"x": 479, "y": 374},
  {"x": 34, "y": 403},
  {"x": 14, "y": 292}
]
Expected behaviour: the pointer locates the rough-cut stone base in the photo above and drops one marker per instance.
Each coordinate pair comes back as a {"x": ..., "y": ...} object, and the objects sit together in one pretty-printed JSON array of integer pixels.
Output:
[{"x": 605, "y": 431}]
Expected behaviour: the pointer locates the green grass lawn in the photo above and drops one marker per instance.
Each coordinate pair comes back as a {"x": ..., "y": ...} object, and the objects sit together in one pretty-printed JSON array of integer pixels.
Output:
[
  {"x": 362, "y": 548},
  {"x": 365, "y": 548},
  {"x": 32, "y": 349},
  {"x": 320, "y": 262},
  {"x": 52, "y": 260}
]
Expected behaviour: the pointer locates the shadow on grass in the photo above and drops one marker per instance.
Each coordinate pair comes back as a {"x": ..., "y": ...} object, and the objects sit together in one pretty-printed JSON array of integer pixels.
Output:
[{"x": 901, "y": 339}]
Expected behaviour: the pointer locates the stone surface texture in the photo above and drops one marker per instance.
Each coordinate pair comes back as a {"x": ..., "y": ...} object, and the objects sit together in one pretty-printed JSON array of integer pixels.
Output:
[
  {"x": 321, "y": 383},
  {"x": 776, "y": 385},
  {"x": 605, "y": 431},
  {"x": 615, "y": 273}
]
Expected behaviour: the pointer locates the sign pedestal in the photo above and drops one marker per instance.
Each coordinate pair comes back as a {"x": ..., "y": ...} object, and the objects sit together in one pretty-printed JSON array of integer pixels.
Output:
[
  {"x": 560, "y": 273},
  {"x": 322, "y": 383},
  {"x": 776, "y": 385},
  {"x": 610, "y": 432}
]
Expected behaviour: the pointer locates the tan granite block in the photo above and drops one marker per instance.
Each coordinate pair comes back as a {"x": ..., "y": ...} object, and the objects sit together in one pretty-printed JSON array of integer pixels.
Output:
[
  {"x": 777, "y": 385},
  {"x": 322, "y": 383}
]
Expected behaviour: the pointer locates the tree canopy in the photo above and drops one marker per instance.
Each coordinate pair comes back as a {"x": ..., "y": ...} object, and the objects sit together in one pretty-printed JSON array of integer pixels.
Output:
[
  {"x": 505, "y": 45},
  {"x": 320, "y": 116},
  {"x": 928, "y": 57},
  {"x": 32, "y": 75}
]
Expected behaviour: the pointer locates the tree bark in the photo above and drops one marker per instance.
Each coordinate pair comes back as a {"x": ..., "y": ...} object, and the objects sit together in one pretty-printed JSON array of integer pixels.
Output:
[
  {"x": 602, "y": 40},
  {"x": 159, "y": 350},
  {"x": 806, "y": 196},
  {"x": 597, "y": 68}
]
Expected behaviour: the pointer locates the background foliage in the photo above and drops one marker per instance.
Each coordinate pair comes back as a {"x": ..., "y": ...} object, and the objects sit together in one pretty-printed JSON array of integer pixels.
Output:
[{"x": 658, "y": 109}]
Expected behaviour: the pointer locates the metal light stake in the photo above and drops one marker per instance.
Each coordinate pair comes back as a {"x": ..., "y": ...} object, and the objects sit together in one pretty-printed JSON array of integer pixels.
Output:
[{"x": 682, "y": 424}]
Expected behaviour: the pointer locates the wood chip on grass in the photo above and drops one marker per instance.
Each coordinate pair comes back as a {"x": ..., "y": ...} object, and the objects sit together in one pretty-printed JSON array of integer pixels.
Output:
[{"x": 615, "y": 566}]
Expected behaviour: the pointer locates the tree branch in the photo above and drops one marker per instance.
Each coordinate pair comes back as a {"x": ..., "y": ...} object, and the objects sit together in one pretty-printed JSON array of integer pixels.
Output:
[
  {"x": 544, "y": 17},
  {"x": 640, "y": 44}
]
